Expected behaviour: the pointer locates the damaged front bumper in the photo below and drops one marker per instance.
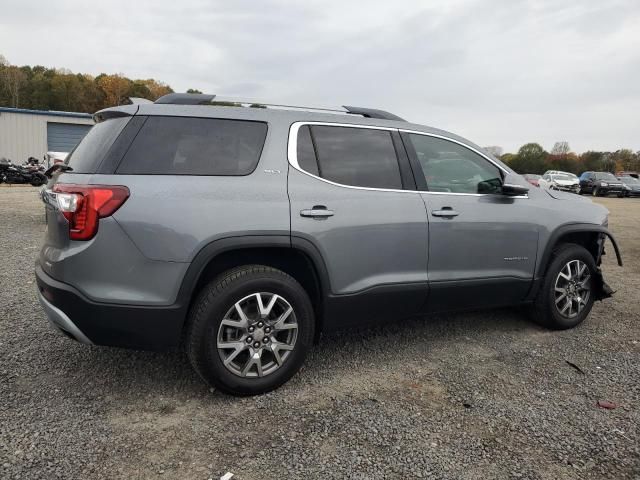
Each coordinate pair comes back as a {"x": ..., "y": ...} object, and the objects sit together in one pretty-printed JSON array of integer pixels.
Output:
[{"x": 603, "y": 290}]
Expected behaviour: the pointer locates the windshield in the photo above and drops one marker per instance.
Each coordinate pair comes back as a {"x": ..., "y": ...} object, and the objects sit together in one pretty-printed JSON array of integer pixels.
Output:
[
  {"x": 606, "y": 176},
  {"x": 562, "y": 177}
]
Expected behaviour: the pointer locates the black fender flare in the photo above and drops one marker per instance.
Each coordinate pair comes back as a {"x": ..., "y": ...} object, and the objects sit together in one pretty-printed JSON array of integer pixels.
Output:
[{"x": 248, "y": 241}]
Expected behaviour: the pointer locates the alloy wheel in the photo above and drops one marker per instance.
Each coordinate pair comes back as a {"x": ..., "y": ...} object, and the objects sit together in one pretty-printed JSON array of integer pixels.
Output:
[
  {"x": 257, "y": 335},
  {"x": 572, "y": 288}
]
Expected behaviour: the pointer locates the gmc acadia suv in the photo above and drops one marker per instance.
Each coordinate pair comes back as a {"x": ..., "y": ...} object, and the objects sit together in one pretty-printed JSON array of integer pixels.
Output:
[{"x": 243, "y": 233}]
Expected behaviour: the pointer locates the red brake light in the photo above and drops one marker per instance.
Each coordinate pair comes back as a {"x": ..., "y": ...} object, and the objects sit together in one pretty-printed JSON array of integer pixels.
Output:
[{"x": 84, "y": 205}]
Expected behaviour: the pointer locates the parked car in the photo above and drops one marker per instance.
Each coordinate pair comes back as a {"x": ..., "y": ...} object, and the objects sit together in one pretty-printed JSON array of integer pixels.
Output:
[
  {"x": 532, "y": 178},
  {"x": 627, "y": 174},
  {"x": 601, "y": 184},
  {"x": 631, "y": 186},
  {"x": 560, "y": 181},
  {"x": 560, "y": 172},
  {"x": 245, "y": 233}
]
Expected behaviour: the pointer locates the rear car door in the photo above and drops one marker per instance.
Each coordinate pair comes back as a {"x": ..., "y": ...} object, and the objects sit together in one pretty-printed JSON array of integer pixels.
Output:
[
  {"x": 482, "y": 245},
  {"x": 349, "y": 205}
]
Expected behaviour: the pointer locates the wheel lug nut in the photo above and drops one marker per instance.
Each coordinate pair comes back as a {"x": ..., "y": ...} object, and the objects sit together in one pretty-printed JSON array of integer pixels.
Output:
[
  {"x": 265, "y": 339},
  {"x": 251, "y": 329},
  {"x": 249, "y": 339},
  {"x": 267, "y": 330},
  {"x": 260, "y": 324},
  {"x": 256, "y": 345}
]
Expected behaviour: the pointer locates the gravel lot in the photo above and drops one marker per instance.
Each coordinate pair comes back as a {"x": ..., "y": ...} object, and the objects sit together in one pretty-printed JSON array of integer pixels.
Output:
[{"x": 468, "y": 396}]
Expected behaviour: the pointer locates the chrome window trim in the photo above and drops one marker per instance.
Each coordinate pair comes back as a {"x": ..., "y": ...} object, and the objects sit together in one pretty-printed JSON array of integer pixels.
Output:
[{"x": 292, "y": 156}]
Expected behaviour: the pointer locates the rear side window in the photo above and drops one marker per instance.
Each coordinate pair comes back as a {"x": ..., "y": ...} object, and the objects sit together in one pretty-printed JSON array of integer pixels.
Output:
[
  {"x": 88, "y": 155},
  {"x": 306, "y": 152},
  {"x": 195, "y": 146},
  {"x": 361, "y": 157}
]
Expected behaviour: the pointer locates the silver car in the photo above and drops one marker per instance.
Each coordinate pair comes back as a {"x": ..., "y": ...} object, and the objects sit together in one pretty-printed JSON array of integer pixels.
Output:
[
  {"x": 245, "y": 233},
  {"x": 566, "y": 182}
]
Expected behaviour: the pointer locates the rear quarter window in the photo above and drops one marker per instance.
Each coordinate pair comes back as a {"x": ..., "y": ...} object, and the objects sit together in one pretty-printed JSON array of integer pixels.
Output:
[
  {"x": 195, "y": 146},
  {"x": 89, "y": 153}
]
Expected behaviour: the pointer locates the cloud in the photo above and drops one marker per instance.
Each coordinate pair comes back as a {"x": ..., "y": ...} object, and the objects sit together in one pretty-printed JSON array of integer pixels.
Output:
[{"x": 500, "y": 72}]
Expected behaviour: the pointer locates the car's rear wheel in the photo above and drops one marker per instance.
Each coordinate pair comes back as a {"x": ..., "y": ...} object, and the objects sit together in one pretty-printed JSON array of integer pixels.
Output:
[
  {"x": 250, "y": 330},
  {"x": 568, "y": 288}
]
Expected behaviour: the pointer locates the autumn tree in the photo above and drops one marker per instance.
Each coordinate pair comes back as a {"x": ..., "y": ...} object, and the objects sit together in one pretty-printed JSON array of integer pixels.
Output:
[
  {"x": 560, "y": 148},
  {"x": 591, "y": 161},
  {"x": 531, "y": 158},
  {"x": 156, "y": 89},
  {"x": 12, "y": 79},
  {"x": 115, "y": 88}
]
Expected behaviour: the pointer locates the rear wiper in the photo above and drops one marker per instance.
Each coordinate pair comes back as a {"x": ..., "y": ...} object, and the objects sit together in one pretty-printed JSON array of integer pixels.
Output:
[{"x": 57, "y": 167}]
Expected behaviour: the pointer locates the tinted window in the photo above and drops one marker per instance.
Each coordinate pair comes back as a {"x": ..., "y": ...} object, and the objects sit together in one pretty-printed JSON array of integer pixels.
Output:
[
  {"x": 450, "y": 167},
  {"x": 306, "y": 153},
  {"x": 88, "y": 155},
  {"x": 357, "y": 156},
  {"x": 195, "y": 146}
]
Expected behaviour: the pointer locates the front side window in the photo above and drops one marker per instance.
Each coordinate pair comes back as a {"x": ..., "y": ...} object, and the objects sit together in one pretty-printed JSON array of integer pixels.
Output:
[
  {"x": 360, "y": 157},
  {"x": 195, "y": 146},
  {"x": 451, "y": 168}
]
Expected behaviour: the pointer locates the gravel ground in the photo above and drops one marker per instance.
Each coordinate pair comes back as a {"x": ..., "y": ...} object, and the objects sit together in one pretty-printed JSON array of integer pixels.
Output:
[{"x": 466, "y": 396}]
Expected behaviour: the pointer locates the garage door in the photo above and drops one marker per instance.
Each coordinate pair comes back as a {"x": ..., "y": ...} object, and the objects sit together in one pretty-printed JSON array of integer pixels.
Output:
[{"x": 63, "y": 137}]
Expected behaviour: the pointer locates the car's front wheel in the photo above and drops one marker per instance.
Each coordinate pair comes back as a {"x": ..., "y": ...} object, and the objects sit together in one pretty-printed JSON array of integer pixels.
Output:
[
  {"x": 568, "y": 288},
  {"x": 250, "y": 330}
]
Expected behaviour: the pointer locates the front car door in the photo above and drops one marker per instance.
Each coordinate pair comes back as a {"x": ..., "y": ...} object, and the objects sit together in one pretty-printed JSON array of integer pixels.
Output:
[
  {"x": 348, "y": 188},
  {"x": 586, "y": 182},
  {"x": 482, "y": 245}
]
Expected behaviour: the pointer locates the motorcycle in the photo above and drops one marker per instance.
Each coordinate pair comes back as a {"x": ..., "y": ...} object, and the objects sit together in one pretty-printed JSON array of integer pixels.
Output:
[
  {"x": 21, "y": 174},
  {"x": 33, "y": 165}
]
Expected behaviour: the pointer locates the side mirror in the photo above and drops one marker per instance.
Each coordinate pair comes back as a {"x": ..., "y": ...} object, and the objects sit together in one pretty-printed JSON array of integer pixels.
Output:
[{"x": 512, "y": 187}]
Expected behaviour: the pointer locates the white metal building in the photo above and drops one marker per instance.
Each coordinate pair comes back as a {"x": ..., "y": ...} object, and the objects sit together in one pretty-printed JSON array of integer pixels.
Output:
[{"x": 32, "y": 133}]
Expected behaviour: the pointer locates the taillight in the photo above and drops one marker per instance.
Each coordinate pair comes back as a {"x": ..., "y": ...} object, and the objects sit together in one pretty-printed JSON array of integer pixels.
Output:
[{"x": 84, "y": 205}]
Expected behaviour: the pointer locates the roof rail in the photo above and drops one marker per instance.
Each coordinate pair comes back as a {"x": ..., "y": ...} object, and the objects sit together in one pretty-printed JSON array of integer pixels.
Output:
[
  {"x": 373, "y": 113},
  {"x": 207, "y": 99}
]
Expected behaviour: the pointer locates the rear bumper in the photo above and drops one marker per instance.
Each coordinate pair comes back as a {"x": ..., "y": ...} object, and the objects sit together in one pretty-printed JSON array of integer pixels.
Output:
[{"x": 117, "y": 325}]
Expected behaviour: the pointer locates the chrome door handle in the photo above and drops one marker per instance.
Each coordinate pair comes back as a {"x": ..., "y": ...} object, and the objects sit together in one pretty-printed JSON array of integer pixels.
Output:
[
  {"x": 318, "y": 211},
  {"x": 445, "y": 212}
]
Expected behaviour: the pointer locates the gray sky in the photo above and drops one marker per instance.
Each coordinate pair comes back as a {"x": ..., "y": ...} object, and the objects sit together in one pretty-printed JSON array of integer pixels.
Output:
[{"x": 500, "y": 72}]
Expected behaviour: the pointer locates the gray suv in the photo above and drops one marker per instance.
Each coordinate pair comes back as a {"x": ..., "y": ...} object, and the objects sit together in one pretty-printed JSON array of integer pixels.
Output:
[{"x": 243, "y": 233}]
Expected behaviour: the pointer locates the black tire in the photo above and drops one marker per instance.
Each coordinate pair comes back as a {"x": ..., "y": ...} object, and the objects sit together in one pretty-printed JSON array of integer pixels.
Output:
[
  {"x": 544, "y": 310},
  {"x": 209, "y": 309},
  {"x": 595, "y": 192}
]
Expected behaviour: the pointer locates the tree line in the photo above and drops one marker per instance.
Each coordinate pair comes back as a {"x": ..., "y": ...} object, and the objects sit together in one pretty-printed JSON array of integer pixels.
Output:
[
  {"x": 532, "y": 158},
  {"x": 42, "y": 88}
]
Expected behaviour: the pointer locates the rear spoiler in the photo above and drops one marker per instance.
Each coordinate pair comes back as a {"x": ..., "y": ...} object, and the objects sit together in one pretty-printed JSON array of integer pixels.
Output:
[{"x": 114, "y": 112}]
